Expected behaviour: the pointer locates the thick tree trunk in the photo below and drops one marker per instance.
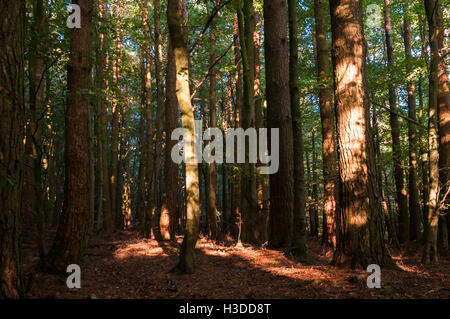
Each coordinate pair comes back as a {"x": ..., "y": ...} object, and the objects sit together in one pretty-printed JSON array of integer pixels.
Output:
[
  {"x": 395, "y": 132},
  {"x": 73, "y": 226},
  {"x": 327, "y": 121},
  {"x": 414, "y": 207},
  {"x": 12, "y": 114},
  {"x": 360, "y": 236},
  {"x": 179, "y": 43},
  {"x": 281, "y": 216}
]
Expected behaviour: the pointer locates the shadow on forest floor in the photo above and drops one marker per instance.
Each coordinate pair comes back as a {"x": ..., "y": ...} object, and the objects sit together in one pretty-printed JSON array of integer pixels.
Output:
[{"x": 128, "y": 266}]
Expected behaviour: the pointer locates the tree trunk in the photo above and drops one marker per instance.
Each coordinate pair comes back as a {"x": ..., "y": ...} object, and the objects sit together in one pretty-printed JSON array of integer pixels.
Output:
[
  {"x": 246, "y": 25},
  {"x": 12, "y": 114},
  {"x": 169, "y": 209},
  {"x": 414, "y": 208},
  {"x": 299, "y": 212},
  {"x": 360, "y": 234},
  {"x": 73, "y": 226},
  {"x": 279, "y": 116},
  {"x": 395, "y": 132},
  {"x": 327, "y": 121},
  {"x": 179, "y": 44},
  {"x": 212, "y": 219},
  {"x": 431, "y": 229}
]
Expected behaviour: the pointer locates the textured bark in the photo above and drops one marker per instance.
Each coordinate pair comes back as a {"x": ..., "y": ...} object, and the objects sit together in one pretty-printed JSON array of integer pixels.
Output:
[
  {"x": 169, "y": 208},
  {"x": 414, "y": 207},
  {"x": 246, "y": 28},
  {"x": 156, "y": 184},
  {"x": 12, "y": 114},
  {"x": 443, "y": 128},
  {"x": 212, "y": 216},
  {"x": 299, "y": 233},
  {"x": 359, "y": 225},
  {"x": 431, "y": 229},
  {"x": 179, "y": 43},
  {"x": 327, "y": 121},
  {"x": 402, "y": 203},
  {"x": 73, "y": 226},
  {"x": 279, "y": 116},
  {"x": 314, "y": 211}
]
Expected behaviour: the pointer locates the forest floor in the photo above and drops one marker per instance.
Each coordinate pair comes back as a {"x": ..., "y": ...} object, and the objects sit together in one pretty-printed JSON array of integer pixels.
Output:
[{"x": 129, "y": 266}]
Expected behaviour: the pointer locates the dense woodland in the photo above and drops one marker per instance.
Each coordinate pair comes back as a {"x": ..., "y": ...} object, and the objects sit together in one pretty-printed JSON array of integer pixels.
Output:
[{"x": 358, "y": 89}]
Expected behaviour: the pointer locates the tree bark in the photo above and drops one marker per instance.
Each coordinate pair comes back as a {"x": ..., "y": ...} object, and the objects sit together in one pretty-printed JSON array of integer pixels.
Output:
[
  {"x": 279, "y": 116},
  {"x": 360, "y": 236},
  {"x": 402, "y": 203},
  {"x": 12, "y": 114},
  {"x": 327, "y": 121},
  {"x": 73, "y": 226},
  {"x": 179, "y": 43}
]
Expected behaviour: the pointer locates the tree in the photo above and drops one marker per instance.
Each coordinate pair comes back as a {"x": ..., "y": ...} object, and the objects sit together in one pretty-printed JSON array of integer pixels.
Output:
[
  {"x": 360, "y": 233},
  {"x": 279, "y": 117},
  {"x": 414, "y": 209},
  {"x": 299, "y": 235},
  {"x": 73, "y": 226},
  {"x": 431, "y": 227},
  {"x": 396, "y": 150},
  {"x": 12, "y": 111},
  {"x": 327, "y": 121},
  {"x": 178, "y": 40}
]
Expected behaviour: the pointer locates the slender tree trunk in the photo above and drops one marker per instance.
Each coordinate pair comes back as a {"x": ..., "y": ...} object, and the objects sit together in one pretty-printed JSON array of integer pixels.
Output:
[
  {"x": 212, "y": 219},
  {"x": 327, "y": 121},
  {"x": 414, "y": 208},
  {"x": 179, "y": 42},
  {"x": 360, "y": 234},
  {"x": 12, "y": 114},
  {"x": 169, "y": 209},
  {"x": 73, "y": 226},
  {"x": 158, "y": 156},
  {"x": 237, "y": 216},
  {"x": 314, "y": 193},
  {"x": 279, "y": 116},
  {"x": 248, "y": 198},
  {"x": 431, "y": 229},
  {"x": 395, "y": 132},
  {"x": 299, "y": 212},
  {"x": 109, "y": 226}
]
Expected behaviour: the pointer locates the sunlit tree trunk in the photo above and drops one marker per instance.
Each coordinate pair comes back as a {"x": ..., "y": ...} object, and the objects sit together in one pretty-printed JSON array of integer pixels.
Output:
[
  {"x": 179, "y": 44},
  {"x": 73, "y": 226},
  {"x": 327, "y": 121},
  {"x": 279, "y": 116},
  {"x": 395, "y": 132},
  {"x": 12, "y": 115},
  {"x": 431, "y": 229},
  {"x": 443, "y": 128},
  {"x": 360, "y": 233}
]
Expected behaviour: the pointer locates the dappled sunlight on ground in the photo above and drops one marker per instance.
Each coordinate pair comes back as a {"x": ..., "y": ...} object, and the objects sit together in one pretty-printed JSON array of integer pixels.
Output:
[{"x": 127, "y": 266}]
